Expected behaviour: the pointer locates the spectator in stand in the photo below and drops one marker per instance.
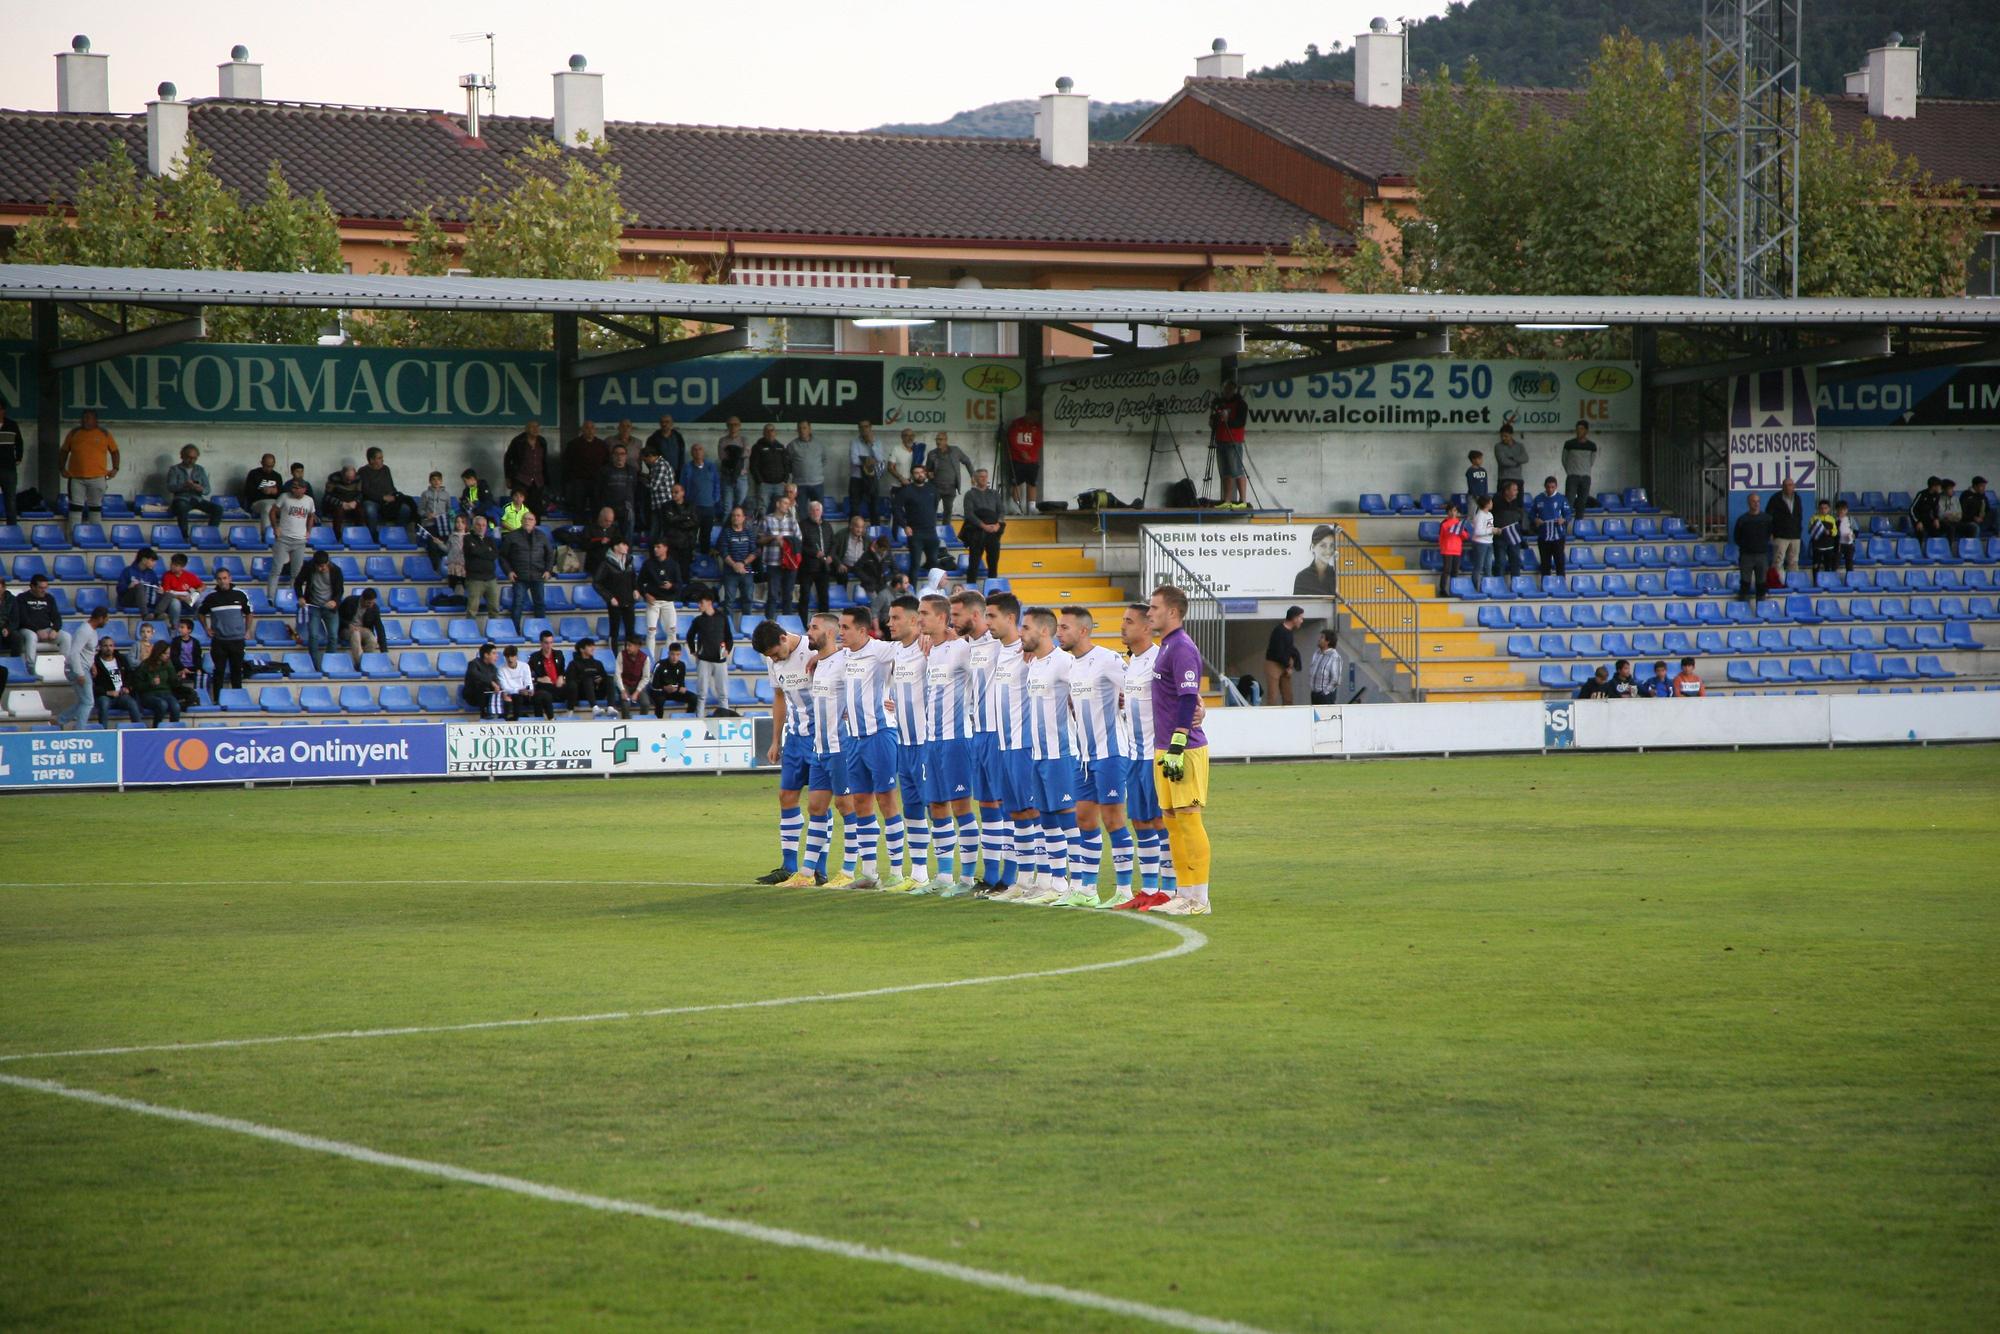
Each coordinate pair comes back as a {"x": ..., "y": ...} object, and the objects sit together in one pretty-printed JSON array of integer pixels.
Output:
[
  {"x": 1950, "y": 513},
  {"x": 1323, "y": 680},
  {"x": 530, "y": 559},
  {"x": 473, "y": 494},
  {"x": 817, "y": 539},
  {"x": 1227, "y": 418},
  {"x": 919, "y": 520},
  {"x": 481, "y": 687},
  {"x": 290, "y": 525},
  {"x": 1281, "y": 657},
  {"x": 659, "y": 577},
  {"x": 681, "y": 527},
  {"x": 13, "y": 452},
  {"x": 37, "y": 622},
  {"x": 587, "y": 681},
  {"x": 514, "y": 512},
  {"x": 517, "y": 688},
  {"x": 342, "y": 503},
  {"x": 551, "y": 679},
  {"x": 454, "y": 553},
  {"x": 80, "y": 667},
  {"x": 617, "y": 583},
  {"x": 1598, "y": 686},
  {"x": 139, "y": 584},
  {"x": 778, "y": 536},
  {"x": 1787, "y": 526},
  {"x": 737, "y": 553},
  {"x": 525, "y": 465},
  {"x": 864, "y": 466},
  {"x": 482, "y": 573},
  {"x": 949, "y": 468},
  {"x": 732, "y": 454},
  {"x": 669, "y": 446},
  {"x": 1512, "y": 456},
  {"x": 225, "y": 614},
  {"x": 1823, "y": 534},
  {"x": 1924, "y": 511},
  {"x": 598, "y": 536},
  {"x": 850, "y": 551},
  {"x": 88, "y": 461},
  {"x": 111, "y": 684},
  {"x": 434, "y": 509},
  {"x": 1659, "y": 685},
  {"x": 1622, "y": 684},
  {"x": 180, "y": 589},
  {"x": 1752, "y": 536},
  {"x": 7, "y": 605},
  {"x": 1024, "y": 459},
  {"x": 583, "y": 459},
  {"x": 985, "y": 522},
  {"x": 381, "y": 502},
  {"x": 669, "y": 685},
  {"x": 898, "y": 467},
  {"x": 1975, "y": 508},
  {"x": 709, "y": 638},
  {"x": 184, "y": 655},
  {"x": 1550, "y": 515},
  {"x": 656, "y": 486},
  {"x": 1687, "y": 685},
  {"x": 618, "y": 486},
  {"x": 188, "y": 490},
  {"x": 321, "y": 591},
  {"x": 1451, "y": 547},
  {"x": 1844, "y": 536},
  {"x": 807, "y": 460},
  {"x": 298, "y": 474},
  {"x": 893, "y": 584},
  {"x": 1579, "y": 460},
  {"x": 361, "y": 625},
  {"x": 703, "y": 485},
  {"x": 263, "y": 487},
  {"x": 1479, "y": 537},
  {"x": 1476, "y": 487},
  {"x": 153, "y": 684},
  {"x": 635, "y": 673},
  {"x": 1509, "y": 515},
  {"x": 770, "y": 468}
]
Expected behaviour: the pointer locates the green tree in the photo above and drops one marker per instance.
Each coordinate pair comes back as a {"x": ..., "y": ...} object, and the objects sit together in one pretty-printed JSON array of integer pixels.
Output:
[{"x": 282, "y": 232}]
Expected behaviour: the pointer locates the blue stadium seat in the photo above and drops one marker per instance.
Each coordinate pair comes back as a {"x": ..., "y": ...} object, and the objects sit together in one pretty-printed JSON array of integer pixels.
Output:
[
  {"x": 1948, "y": 580},
  {"x": 1495, "y": 589},
  {"x": 1647, "y": 643},
  {"x": 1372, "y": 503},
  {"x": 377, "y": 667},
  {"x": 1522, "y": 618},
  {"x": 1801, "y": 641},
  {"x": 207, "y": 537},
  {"x": 1675, "y": 642},
  {"x": 1492, "y": 618},
  {"x": 1586, "y": 530},
  {"x": 1402, "y": 502},
  {"x": 1800, "y": 609},
  {"x": 1870, "y": 500},
  {"x": 317, "y": 699},
  {"x": 1958, "y": 635},
  {"x": 1770, "y": 641},
  {"x": 127, "y": 536},
  {"x": 1555, "y": 618},
  {"x": 1619, "y": 617},
  {"x": 1554, "y": 646},
  {"x": 1916, "y": 581},
  {"x": 1709, "y": 643},
  {"x": 13, "y": 539},
  {"x": 1427, "y": 531},
  {"x": 381, "y": 570},
  {"x": 1953, "y": 609},
  {"x": 68, "y": 569},
  {"x": 1740, "y": 641},
  {"x": 1432, "y": 502},
  {"x": 1650, "y": 586},
  {"x": 1929, "y": 636},
  {"x": 322, "y": 537},
  {"x": 1463, "y": 588},
  {"x": 1832, "y": 637},
  {"x": 277, "y": 699},
  {"x": 247, "y": 537},
  {"x": 91, "y": 598},
  {"x": 1679, "y": 613},
  {"x": 1583, "y": 558},
  {"x": 1639, "y": 502},
  {"x": 1673, "y": 529},
  {"x": 1742, "y": 674},
  {"x": 439, "y": 699},
  {"x": 1648, "y": 527},
  {"x": 1801, "y": 669},
  {"x": 1617, "y": 644},
  {"x": 740, "y": 694},
  {"x": 1586, "y": 646},
  {"x": 357, "y": 538},
  {"x": 234, "y": 564},
  {"x": 358, "y": 699},
  {"x": 1939, "y": 550},
  {"x": 1898, "y": 669},
  {"x": 301, "y": 664},
  {"x": 397, "y": 699},
  {"x": 1611, "y": 502},
  {"x": 51, "y": 537},
  {"x": 407, "y": 601},
  {"x": 416, "y": 666},
  {"x": 1585, "y": 617},
  {"x": 464, "y": 630},
  {"x": 350, "y": 570},
  {"x": 1554, "y": 678},
  {"x": 272, "y": 634},
  {"x": 1521, "y": 646},
  {"x": 1833, "y": 669},
  {"x": 452, "y": 664},
  {"x": 167, "y": 537},
  {"x": 395, "y": 537},
  {"x": 1647, "y": 556},
  {"x": 569, "y": 629}
]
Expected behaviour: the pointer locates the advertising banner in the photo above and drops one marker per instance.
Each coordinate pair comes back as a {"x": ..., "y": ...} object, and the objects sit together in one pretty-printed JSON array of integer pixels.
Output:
[
  {"x": 1428, "y": 394},
  {"x": 1255, "y": 560},
  {"x": 637, "y": 746},
  {"x": 1772, "y": 435},
  {"x": 58, "y": 759},
  {"x": 1940, "y": 396},
  {"x": 253, "y": 754},
  {"x": 969, "y": 398},
  {"x": 925, "y": 394}
]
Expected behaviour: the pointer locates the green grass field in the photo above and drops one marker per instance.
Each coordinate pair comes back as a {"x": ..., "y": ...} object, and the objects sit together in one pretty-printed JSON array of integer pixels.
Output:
[{"x": 1673, "y": 1040}]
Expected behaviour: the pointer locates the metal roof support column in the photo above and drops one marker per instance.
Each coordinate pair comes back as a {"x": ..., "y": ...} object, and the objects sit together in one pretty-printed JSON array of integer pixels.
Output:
[
  {"x": 569, "y": 394},
  {"x": 1031, "y": 359},
  {"x": 48, "y": 408}
]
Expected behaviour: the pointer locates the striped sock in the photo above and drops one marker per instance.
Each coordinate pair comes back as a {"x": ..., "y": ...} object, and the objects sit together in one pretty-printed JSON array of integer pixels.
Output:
[
  {"x": 1025, "y": 858},
  {"x": 1055, "y": 845},
  {"x": 819, "y": 834},
  {"x": 1121, "y": 856},
  {"x": 1149, "y": 859},
  {"x": 791, "y": 823},
  {"x": 892, "y": 853},
  {"x": 1086, "y": 857},
  {"x": 918, "y": 829},
  {"x": 868, "y": 838},
  {"x": 992, "y": 845},
  {"x": 1169, "y": 878},
  {"x": 943, "y": 835},
  {"x": 850, "y": 843},
  {"x": 968, "y": 846}
]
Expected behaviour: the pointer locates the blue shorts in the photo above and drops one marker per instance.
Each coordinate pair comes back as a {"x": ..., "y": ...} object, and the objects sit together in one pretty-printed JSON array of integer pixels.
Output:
[
  {"x": 1142, "y": 801},
  {"x": 828, "y": 774},
  {"x": 871, "y": 762},
  {"x": 989, "y": 781},
  {"x": 910, "y": 762},
  {"x": 1019, "y": 791},
  {"x": 948, "y": 771},
  {"x": 1229, "y": 460},
  {"x": 1105, "y": 781},
  {"x": 1055, "y": 784},
  {"x": 795, "y": 763}
]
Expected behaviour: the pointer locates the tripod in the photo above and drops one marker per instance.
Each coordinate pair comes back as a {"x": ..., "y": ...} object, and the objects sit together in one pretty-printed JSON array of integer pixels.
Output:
[{"x": 1153, "y": 452}]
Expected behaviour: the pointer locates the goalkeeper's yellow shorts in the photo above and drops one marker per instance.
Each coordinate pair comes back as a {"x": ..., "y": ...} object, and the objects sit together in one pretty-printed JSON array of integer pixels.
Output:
[{"x": 1191, "y": 789}]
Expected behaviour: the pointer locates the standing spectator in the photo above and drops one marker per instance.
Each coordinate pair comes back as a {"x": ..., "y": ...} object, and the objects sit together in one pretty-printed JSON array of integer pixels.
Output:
[
  {"x": 342, "y": 502},
  {"x": 626, "y": 438},
  {"x": 586, "y": 681},
  {"x": 708, "y": 637},
  {"x": 659, "y": 577},
  {"x": 898, "y": 464},
  {"x": 36, "y": 622},
  {"x": 263, "y": 487},
  {"x": 525, "y": 466},
  {"x": 770, "y": 469},
  {"x": 1622, "y": 686},
  {"x": 13, "y": 452},
  {"x": 1551, "y": 514},
  {"x": 320, "y": 589},
  {"x": 361, "y": 625},
  {"x": 583, "y": 459},
  {"x": 1512, "y": 456},
  {"x": 850, "y": 553},
  {"x": 184, "y": 654},
  {"x": 547, "y": 670},
  {"x": 635, "y": 673},
  {"x": 983, "y": 526},
  {"x": 1823, "y": 533},
  {"x": 1476, "y": 487},
  {"x": 187, "y": 490},
  {"x": 474, "y": 496},
  {"x": 514, "y": 512},
  {"x": 1975, "y": 507},
  {"x": 517, "y": 688},
  {"x": 807, "y": 459},
  {"x": 291, "y": 525},
  {"x": 1579, "y": 460},
  {"x": 617, "y": 583},
  {"x": 482, "y": 573},
  {"x": 732, "y": 453},
  {"x": 669, "y": 445},
  {"x": 1659, "y": 685},
  {"x": 1281, "y": 657},
  {"x": 139, "y": 584},
  {"x": 919, "y": 520},
  {"x": 817, "y": 538},
  {"x": 658, "y": 479},
  {"x": 1787, "y": 525},
  {"x": 481, "y": 687},
  {"x": 1843, "y": 537},
  {"x": 1924, "y": 511},
  {"x": 779, "y": 536},
  {"x": 225, "y": 614},
  {"x": 703, "y": 485},
  {"x": 681, "y": 527},
  {"x": 1451, "y": 547},
  {"x": 454, "y": 554},
  {"x": 111, "y": 684},
  {"x": 737, "y": 553},
  {"x": 598, "y": 535},
  {"x": 949, "y": 467},
  {"x": 1024, "y": 458},
  {"x": 80, "y": 667},
  {"x": 1752, "y": 536},
  {"x": 864, "y": 465},
  {"x": 530, "y": 558},
  {"x": 434, "y": 520},
  {"x": 1227, "y": 418},
  {"x": 1479, "y": 536},
  {"x": 1509, "y": 514},
  {"x": 1323, "y": 680},
  {"x": 669, "y": 685},
  {"x": 153, "y": 684},
  {"x": 618, "y": 487},
  {"x": 381, "y": 502},
  {"x": 88, "y": 461},
  {"x": 180, "y": 590},
  {"x": 1686, "y": 684}
]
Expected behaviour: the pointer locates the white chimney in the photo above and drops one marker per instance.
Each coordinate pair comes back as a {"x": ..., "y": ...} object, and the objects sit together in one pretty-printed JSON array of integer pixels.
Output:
[
  {"x": 1892, "y": 80},
  {"x": 1378, "y": 66},
  {"x": 1857, "y": 82},
  {"x": 239, "y": 78},
  {"x": 579, "y": 103},
  {"x": 1062, "y": 123},
  {"x": 166, "y": 130},
  {"x": 83, "y": 80},
  {"x": 1219, "y": 63}
]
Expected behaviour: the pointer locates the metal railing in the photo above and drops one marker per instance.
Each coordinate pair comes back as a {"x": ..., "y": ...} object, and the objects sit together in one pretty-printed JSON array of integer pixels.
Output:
[
  {"x": 1827, "y": 484},
  {"x": 1205, "y": 624},
  {"x": 1377, "y": 603}
]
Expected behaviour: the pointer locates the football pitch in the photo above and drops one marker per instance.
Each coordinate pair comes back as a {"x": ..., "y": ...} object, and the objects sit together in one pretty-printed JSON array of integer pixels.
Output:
[{"x": 1683, "y": 1040}]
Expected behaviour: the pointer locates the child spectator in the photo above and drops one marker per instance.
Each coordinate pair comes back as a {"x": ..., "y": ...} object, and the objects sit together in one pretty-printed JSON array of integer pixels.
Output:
[
  {"x": 180, "y": 588},
  {"x": 1687, "y": 685},
  {"x": 1659, "y": 685},
  {"x": 1480, "y": 533},
  {"x": 1451, "y": 545},
  {"x": 1843, "y": 536},
  {"x": 1475, "y": 479},
  {"x": 1598, "y": 686},
  {"x": 475, "y": 496},
  {"x": 1823, "y": 538},
  {"x": 669, "y": 684},
  {"x": 454, "y": 553}
]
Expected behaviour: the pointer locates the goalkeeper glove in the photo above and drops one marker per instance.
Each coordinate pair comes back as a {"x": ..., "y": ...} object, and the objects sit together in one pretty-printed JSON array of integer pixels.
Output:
[{"x": 1173, "y": 763}]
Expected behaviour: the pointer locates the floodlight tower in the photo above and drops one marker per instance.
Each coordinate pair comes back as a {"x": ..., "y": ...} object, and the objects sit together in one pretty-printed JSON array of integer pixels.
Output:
[{"x": 1750, "y": 149}]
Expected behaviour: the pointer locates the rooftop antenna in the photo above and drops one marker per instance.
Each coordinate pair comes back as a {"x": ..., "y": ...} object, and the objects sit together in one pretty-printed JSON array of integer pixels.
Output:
[{"x": 474, "y": 85}]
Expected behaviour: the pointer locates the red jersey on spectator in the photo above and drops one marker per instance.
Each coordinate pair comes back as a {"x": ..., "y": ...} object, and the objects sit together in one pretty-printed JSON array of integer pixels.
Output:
[
  {"x": 1024, "y": 441},
  {"x": 1451, "y": 538}
]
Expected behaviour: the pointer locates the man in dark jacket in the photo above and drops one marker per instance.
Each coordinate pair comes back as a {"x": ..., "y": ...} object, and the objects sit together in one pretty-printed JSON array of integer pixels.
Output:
[
  {"x": 1924, "y": 520},
  {"x": 670, "y": 444},
  {"x": 770, "y": 469},
  {"x": 37, "y": 621},
  {"x": 1509, "y": 513},
  {"x": 617, "y": 583},
  {"x": 1787, "y": 525},
  {"x": 669, "y": 684},
  {"x": 530, "y": 558},
  {"x": 659, "y": 580},
  {"x": 482, "y": 573},
  {"x": 586, "y": 681},
  {"x": 582, "y": 460},
  {"x": 361, "y": 625},
  {"x": 342, "y": 503},
  {"x": 320, "y": 588},
  {"x": 482, "y": 679},
  {"x": 526, "y": 465},
  {"x": 1752, "y": 536},
  {"x": 381, "y": 502},
  {"x": 984, "y": 523},
  {"x": 681, "y": 526},
  {"x": 917, "y": 512},
  {"x": 709, "y": 637},
  {"x": 618, "y": 487},
  {"x": 816, "y": 542}
]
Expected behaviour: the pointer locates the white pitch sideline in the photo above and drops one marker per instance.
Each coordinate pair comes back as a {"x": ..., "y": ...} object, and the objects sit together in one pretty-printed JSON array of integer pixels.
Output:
[{"x": 772, "y": 1236}]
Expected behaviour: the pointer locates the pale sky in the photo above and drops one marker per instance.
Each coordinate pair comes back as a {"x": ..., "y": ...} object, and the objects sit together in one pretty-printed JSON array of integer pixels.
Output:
[{"x": 756, "y": 62}]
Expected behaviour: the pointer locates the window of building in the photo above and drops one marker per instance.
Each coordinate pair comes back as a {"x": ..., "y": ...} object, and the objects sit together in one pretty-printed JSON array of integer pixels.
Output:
[
  {"x": 959, "y": 338},
  {"x": 1982, "y": 273},
  {"x": 799, "y": 333}
]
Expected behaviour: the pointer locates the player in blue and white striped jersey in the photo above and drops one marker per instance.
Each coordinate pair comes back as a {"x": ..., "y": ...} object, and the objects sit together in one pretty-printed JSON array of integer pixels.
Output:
[
  {"x": 828, "y": 698},
  {"x": 790, "y": 657},
  {"x": 996, "y": 839},
  {"x": 1104, "y": 753},
  {"x": 1007, "y": 718},
  {"x": 871, "y": 758},
  {"x": 1052, "y": 742},
  {"x": 948, "y": 748},
  {"x": 1142, "y": 798},
  {"x": 909, "y": 709}
]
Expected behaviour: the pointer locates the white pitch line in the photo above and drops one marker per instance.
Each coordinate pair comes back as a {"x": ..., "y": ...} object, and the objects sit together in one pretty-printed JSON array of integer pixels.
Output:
[
  {"x": 1190, "y": 941},
  {"x": 772, "y": 1236}
]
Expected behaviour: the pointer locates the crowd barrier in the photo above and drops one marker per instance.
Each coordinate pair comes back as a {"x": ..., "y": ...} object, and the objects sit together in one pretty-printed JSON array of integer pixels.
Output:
[{"x": 177, "y": 756}]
